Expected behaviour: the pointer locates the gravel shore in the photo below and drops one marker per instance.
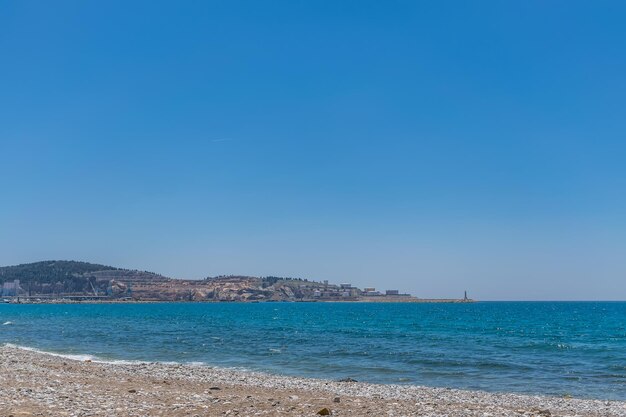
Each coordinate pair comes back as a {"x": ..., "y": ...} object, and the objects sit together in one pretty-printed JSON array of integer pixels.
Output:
[{"x": 38, "y": 384}]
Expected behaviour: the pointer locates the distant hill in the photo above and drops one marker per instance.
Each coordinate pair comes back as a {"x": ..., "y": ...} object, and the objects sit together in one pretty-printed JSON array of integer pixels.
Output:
[
  {"x": 49, "y": 271},
  {"x": 72, "y": 277},
  {"x": 57, "y": 279},
  {"x": 79, "y": 280}
]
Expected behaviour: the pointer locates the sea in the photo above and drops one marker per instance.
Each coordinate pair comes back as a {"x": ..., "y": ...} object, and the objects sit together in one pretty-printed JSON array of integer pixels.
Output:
[{"x": 551, "y": 348}]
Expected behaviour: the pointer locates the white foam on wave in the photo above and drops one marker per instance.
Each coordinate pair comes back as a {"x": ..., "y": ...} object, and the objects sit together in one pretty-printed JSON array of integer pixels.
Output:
[
  {"x": 75, "y": 357},
  {"x": 196, "y": 363},
  {"x": 96, "y": 359},
  {"x": 60, "y": 355},
  {"x": 7, "y": 323}
]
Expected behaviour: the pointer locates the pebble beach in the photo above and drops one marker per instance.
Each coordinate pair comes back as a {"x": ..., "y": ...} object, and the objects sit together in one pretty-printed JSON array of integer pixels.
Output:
[{"x": 40, "y": 384}]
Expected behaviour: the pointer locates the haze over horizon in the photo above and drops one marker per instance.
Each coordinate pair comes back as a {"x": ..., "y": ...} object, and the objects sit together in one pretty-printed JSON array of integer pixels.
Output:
[{"x": 429, "y": 147}]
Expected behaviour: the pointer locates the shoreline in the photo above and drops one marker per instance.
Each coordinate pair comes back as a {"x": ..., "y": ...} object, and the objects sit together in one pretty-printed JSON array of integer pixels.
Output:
[
  {"x": 369, "y": 300},
  {"x": 36, "y": 383}
]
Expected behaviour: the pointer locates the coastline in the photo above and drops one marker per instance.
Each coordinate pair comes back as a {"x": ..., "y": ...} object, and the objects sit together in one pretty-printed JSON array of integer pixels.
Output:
[
  {"x": 34, "y": 383},
  {"x": 371, "y": 300}
]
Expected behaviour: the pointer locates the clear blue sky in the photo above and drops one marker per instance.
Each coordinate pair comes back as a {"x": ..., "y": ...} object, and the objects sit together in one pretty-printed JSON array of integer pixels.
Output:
[{"x": 427, "y": 146}]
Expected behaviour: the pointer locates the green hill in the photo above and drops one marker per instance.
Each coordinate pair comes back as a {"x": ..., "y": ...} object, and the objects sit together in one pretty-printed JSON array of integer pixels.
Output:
[
  {"x": 50, "y": 271},
  {"x": 49, "y": 277}
]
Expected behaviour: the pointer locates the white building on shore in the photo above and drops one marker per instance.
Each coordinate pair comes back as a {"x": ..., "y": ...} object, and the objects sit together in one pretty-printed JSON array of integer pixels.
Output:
[{"x": 10, "y": 289}]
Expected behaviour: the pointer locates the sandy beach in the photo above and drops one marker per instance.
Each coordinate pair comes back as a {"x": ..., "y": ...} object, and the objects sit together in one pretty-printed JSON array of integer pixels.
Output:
[{"x": 38, "y": 384}]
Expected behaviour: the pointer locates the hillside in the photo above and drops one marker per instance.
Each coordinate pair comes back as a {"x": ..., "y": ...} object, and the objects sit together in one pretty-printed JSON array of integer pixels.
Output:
[
  {"x": 49, "y": 271},
  {"x": 63, "y": 280},
  {"x": 49, "y": 278}
]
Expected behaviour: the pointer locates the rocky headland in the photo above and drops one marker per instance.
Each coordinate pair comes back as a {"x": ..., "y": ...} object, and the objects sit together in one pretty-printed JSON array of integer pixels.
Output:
[{"x": 80, "y": 281}]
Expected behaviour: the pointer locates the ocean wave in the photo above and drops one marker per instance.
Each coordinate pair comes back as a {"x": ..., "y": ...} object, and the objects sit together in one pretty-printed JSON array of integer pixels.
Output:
[
  {"x": 96, "y": 359},
  {"x": 196, "y": 363},
  {"x": 74, "y": 356}
]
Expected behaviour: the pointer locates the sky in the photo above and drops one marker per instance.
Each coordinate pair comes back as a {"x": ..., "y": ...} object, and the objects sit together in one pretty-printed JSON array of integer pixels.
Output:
[{"x": 431, "y": 147}]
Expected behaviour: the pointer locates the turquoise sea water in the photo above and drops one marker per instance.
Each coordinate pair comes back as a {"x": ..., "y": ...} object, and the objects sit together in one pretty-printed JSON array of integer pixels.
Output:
[{"x": 560, "y": 348}]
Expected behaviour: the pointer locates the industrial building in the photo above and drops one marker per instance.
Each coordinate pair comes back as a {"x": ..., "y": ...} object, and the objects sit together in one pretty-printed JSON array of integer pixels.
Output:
[{"x": 10, "y": 289}]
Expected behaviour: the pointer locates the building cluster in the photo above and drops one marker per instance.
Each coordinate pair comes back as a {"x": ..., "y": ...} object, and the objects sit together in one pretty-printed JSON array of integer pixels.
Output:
[
  {"x": 345, "y": 291},
  {"x": 372, "y": 292},
  {"x": 336, "y": 291}
]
